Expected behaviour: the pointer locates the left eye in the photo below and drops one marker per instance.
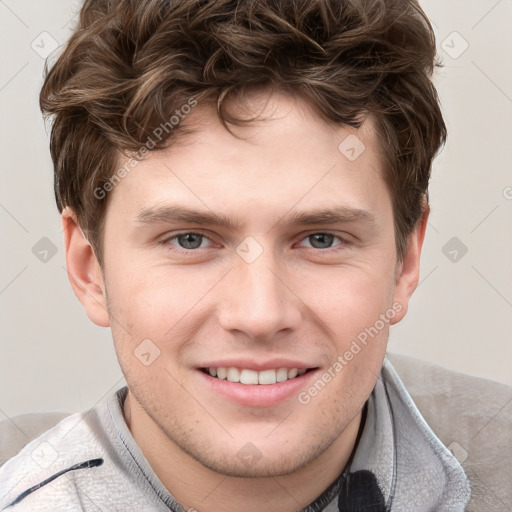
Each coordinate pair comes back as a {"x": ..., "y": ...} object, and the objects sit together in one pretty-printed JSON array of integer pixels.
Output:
[
  {"x": 189, "y": 240},
  {"x": 322, "y": 240}
]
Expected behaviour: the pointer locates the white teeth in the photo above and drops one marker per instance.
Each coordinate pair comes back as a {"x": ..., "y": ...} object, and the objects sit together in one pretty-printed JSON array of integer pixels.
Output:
[
  {"x": 264, "y": 377},
  {"x": 233, "y": 375},
  {"x": 267, "y": 377},
  {"x": 248, "y": 377},
  {"x": 292, "y": 373},
  {"x": 282, "y": 375}
]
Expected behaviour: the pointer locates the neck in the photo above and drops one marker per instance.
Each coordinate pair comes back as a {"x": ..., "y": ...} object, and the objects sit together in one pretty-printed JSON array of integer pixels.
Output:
[{"x": 199, "y": 489}]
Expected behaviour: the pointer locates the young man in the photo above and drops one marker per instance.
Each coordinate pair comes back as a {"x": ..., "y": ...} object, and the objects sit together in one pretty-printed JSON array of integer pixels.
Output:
[{"x": 243, "y": 188}]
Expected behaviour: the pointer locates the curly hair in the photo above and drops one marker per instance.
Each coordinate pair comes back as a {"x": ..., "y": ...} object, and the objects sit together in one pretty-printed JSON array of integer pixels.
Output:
[{"x": 130, "y": 64}]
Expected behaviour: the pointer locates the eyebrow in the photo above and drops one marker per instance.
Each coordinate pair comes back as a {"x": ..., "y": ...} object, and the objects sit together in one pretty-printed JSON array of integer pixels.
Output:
[
  {"x": 339, "y": 215},
  {"x": 175, "y": 213}
]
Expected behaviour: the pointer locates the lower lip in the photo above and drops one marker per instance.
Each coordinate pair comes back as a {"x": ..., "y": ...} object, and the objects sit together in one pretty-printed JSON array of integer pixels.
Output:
[{"x": 258, "y": 395}]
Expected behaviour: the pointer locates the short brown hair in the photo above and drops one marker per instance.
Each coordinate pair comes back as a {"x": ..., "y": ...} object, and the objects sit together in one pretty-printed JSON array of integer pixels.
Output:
[{"x": 131, "y": 63}]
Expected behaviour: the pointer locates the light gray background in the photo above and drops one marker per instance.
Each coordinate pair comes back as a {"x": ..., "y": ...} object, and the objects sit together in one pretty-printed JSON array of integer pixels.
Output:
[{"x": 53, "y": 358}]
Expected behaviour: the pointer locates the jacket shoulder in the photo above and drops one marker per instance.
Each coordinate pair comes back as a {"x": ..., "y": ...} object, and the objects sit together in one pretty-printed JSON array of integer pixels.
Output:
[
  {"x": 473, "y": 418},
  {"x": 41, "y": 475}
]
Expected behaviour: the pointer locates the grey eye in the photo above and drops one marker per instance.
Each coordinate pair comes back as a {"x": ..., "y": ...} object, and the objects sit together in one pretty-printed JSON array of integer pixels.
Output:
[
  {"x": 190, "y": 240},
  {"x": 321, "y": 240}
]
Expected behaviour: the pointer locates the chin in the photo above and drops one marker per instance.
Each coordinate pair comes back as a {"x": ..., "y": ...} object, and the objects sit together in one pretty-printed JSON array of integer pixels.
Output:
[
  {"x": 262, "y": 458},
  {"x": 257, "y": 467}
]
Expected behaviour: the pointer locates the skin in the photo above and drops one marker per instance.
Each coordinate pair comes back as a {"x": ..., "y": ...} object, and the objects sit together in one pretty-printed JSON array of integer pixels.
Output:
[{"x": 296, "y": 300}]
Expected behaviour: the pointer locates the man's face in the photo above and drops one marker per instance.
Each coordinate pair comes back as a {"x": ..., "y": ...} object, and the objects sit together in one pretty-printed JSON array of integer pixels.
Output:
[{"x": 281, "y": 284}]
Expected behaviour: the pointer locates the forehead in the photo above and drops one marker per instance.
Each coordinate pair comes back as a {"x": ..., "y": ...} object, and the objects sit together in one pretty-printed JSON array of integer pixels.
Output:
[{"x": 288, "y": 155}]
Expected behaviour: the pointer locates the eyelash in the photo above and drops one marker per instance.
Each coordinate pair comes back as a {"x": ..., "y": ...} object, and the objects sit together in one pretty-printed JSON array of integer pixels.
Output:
[{"x": 343, "y": 243}]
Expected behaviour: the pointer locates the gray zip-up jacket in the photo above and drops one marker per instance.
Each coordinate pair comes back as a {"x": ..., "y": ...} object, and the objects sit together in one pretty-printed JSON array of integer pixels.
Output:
[{"x": 90, "y": 462}]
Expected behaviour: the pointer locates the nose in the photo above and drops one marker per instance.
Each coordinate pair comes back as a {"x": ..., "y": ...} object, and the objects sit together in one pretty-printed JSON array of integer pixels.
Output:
[{"x": 258, "y": 300}]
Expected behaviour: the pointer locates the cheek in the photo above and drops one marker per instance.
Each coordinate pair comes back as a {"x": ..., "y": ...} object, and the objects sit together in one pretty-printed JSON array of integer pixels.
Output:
[
  {"x": 155, "y": 299},
  {"x": 348, "y": 299},
  {"x": 355, "y": 307},
  {"x": 164, "y": 305}
]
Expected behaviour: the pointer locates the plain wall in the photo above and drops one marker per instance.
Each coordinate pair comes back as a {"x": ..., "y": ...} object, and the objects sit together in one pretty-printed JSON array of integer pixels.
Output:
[{"x": 53, "y": 358}]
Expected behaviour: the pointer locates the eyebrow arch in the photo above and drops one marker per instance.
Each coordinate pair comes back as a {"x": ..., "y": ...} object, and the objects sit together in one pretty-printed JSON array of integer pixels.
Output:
[
  {"x": 176, "y": 213},
  {"x": 338, "y": 215}
]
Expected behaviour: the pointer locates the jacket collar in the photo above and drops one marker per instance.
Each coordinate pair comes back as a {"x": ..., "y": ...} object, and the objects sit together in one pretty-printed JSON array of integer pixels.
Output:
[{"x": 399, "y": 463}]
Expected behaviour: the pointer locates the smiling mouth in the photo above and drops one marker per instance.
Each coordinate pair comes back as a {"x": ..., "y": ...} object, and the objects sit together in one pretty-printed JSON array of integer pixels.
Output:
[{"x": 252, "y": 377}]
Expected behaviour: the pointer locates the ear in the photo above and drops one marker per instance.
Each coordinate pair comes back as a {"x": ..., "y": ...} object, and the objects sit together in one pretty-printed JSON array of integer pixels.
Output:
[
  {"x": 84, "y": 271},
  {"x": 408, "y": 271}
]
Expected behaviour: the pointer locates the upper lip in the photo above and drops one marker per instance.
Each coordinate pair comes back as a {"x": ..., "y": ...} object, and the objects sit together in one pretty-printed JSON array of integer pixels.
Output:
[{"x": 253, "y": 364}]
